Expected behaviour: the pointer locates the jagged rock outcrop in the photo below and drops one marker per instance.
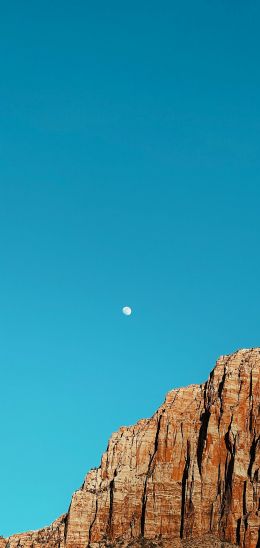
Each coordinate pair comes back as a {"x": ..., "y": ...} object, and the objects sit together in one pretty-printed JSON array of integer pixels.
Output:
[{"x": 187, "y": 477}]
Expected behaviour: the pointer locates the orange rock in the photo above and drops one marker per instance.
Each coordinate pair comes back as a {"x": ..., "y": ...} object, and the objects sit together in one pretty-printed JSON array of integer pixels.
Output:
[{"x": 190, "y": 472}]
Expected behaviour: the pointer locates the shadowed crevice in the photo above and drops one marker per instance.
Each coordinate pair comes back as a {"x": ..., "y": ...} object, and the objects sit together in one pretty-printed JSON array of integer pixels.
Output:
[
  {"x": 149, "y": 472},
  {"x": 252, "y": 455},
  {"x": 66, "y": 522},
  {"x": 111, "y": 501},
  {"x": 238, "y": 531},
  {"x": 183, "y": 489},
  {"x": 221, "y": 384},
  {"x": 92, "y": 523},
  {"x": 202, "y": 437},
  {"x": 244, "y": 499},
  {"x": 230, "y": 462}
]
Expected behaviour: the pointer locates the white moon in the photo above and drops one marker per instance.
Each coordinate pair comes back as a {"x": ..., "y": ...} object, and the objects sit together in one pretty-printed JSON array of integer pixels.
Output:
[{"x": 127, "y": 311}]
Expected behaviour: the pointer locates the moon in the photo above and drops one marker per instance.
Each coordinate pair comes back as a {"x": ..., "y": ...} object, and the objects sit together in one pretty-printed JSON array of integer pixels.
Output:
[{"x": 127, "y": 311}]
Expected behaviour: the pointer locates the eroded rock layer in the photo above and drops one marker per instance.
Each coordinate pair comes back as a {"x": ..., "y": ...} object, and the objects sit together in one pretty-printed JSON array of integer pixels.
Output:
[{"x": 187, "y": 477}]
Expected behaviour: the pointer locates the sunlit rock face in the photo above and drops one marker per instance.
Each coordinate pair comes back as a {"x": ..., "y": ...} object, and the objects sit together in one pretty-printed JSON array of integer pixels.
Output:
[{"x": 188, "y": 477}]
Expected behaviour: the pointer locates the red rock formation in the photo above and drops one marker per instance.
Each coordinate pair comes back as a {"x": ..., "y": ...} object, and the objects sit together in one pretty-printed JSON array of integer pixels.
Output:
[{"x": 190, "y": 472}]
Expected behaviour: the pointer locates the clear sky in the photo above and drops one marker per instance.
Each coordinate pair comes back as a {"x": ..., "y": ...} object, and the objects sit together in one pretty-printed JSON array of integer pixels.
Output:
[{"x": 129, "y": 175}]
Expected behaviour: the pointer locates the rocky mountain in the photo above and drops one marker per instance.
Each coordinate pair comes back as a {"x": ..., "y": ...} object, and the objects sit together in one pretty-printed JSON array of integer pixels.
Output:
[{"x": 187, "y": 477}]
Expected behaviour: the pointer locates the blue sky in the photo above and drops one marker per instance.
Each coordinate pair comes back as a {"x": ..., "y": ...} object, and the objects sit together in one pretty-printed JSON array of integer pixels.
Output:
[{"x": 129, "y": 175}]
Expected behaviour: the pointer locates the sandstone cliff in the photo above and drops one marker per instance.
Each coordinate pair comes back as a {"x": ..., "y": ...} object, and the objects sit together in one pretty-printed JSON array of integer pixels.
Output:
[{"x": 187, "y": 477}]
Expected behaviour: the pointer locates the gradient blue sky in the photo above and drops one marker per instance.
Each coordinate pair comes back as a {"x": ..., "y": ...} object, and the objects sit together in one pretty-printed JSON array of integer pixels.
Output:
[{"x": 129, "y": 175}]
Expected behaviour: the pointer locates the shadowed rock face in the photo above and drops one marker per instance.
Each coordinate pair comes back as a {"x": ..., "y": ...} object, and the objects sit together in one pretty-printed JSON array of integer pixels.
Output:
[{"x": 188, "y": 477}]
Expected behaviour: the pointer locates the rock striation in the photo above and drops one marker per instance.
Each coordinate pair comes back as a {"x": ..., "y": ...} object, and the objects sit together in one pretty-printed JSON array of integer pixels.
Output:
[{"x": 187, "y": 477}]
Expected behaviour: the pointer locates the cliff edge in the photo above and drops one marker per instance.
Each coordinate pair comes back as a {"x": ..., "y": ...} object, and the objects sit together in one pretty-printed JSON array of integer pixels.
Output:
[{"x": 186, "y": 477}]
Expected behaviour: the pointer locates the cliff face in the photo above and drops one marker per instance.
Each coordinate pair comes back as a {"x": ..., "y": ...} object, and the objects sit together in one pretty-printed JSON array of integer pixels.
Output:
[{"x": 190, "y": 472}]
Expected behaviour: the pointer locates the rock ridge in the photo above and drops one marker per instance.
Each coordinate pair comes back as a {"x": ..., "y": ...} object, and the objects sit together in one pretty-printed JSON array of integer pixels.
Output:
[{"x": 186, "y": 477}]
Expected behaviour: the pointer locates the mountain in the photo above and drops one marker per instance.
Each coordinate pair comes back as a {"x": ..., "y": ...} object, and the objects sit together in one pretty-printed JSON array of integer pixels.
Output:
[{"x": 187, "y": 477}]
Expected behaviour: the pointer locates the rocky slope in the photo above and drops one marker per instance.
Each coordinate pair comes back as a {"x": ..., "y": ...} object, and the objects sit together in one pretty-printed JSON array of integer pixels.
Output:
[{"x": 187, "y": 477}]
